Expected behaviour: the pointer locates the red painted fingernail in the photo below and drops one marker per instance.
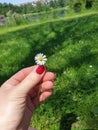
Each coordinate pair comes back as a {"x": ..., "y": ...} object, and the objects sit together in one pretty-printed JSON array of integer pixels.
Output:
[{"x": 40, "y": 69}]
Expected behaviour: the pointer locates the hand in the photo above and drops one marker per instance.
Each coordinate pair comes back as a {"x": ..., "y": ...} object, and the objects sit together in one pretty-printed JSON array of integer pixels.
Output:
[{"x": 21, "y": 94}]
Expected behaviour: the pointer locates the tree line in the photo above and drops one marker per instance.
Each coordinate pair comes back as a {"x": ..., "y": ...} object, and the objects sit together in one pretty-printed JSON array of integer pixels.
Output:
[{"x": 45, "y": 6}]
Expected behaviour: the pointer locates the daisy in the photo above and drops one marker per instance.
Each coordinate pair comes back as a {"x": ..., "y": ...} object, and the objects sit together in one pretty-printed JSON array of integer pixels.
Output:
[
  {"x": 90, "y": 66},
  {"x": 78, "y": 118},
  {"x": 40, "y": 59}
]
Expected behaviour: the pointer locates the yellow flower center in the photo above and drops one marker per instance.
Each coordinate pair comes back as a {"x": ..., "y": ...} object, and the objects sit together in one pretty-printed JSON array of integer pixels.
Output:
[{"x": 40, "y": 59}]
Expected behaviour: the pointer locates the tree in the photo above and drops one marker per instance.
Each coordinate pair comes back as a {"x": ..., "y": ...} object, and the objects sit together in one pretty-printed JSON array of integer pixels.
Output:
[
  {"x": 39, "y": 6},
  {"x": 53, "y": 3},
  {"x": 61, "y": 3},
  {"x": 89, "y": 4}
]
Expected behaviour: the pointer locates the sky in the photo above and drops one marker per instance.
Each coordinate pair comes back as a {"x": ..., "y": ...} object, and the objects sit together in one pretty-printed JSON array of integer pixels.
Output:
[{"x": 15, "y": 1}]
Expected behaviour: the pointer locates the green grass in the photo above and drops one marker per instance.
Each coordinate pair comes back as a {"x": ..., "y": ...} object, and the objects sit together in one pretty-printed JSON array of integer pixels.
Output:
[
  {"x": 71, "y": 46},
  {"x": 70, "y": 16}
]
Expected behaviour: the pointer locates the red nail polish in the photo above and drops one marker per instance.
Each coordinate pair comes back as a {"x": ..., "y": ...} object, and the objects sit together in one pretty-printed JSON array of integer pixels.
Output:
[{"x": 40, "y": 69}]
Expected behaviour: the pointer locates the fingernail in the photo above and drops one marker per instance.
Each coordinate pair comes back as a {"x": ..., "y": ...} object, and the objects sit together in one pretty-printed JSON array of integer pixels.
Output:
[{"x": 40, "y": 69}]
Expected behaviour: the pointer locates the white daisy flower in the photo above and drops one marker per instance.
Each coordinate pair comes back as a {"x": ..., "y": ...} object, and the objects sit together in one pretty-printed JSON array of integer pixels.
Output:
[
  {"x": 74, "y": 98},
  {"x": 78, "y": 118},
  {"x": 40, "y": 59},
  {"x": 90, "y": 66}
]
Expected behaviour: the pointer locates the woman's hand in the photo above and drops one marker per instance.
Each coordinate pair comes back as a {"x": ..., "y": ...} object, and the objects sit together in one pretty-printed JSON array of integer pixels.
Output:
[{"x": 21, "y": 94}]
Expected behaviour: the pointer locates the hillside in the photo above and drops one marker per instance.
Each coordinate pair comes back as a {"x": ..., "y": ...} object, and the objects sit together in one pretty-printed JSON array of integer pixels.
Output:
[{"x": 71, "y": 47}]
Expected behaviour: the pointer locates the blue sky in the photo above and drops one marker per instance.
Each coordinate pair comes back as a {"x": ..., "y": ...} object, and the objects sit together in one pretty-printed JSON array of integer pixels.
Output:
[{"x": 15, "y": 1}]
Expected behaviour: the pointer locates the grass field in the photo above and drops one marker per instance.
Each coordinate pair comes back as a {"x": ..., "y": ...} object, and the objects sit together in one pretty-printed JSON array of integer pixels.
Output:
[{"x": 71, "y": 46}]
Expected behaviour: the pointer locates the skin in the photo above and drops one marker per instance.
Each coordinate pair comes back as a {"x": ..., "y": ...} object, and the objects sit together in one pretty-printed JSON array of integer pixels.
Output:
[{"x": 21, "y": 94}]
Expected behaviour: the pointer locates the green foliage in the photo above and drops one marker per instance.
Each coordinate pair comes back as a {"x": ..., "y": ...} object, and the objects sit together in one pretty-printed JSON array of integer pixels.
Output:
[
  {"x": 38, "y": 12},
  {"x": 18, "y": 19},
  {"x": 71, "y": 47},
  {"x": 95, "y": 4},
  {"x": 83, "y": 5},
  {"x": 39, "y": 6}
]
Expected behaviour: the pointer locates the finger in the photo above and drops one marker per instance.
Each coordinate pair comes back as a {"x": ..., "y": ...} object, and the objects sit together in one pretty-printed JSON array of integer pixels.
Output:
[
  {"x": 42, "y": 97},
  {"x": 46, "y": 86},
  {"x": 41, "y": 88},
  {"x": 31, "y": 80},
  {"x": 19, "y": 76},
  {"x": 45, "y": 95},
  {"x": 49, "y": 76}
]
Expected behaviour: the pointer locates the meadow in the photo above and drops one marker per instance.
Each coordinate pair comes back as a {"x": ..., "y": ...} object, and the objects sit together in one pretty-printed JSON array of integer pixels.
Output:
[{"x": 71, "y": 46}]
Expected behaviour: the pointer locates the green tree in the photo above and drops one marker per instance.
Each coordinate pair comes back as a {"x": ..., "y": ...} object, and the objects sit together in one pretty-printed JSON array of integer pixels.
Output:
[
  {"x": 61, "y": 3},
  {"x": 29, "y": 8},
  {"x": 53, "y": 3},
  {"x": 39, "y": 6},
  {"x": 89, "y": 4}
]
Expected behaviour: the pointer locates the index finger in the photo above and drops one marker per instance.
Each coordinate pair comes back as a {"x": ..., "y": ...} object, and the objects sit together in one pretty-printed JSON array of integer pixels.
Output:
[{"x": 19, "y": 76}]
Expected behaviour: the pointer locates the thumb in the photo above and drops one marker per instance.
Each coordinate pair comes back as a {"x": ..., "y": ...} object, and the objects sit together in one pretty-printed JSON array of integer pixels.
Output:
[{"x": 32, "y": 79}]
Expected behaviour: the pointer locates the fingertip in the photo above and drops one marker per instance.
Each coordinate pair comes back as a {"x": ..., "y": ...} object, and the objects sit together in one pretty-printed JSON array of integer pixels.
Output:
[
  {"x": 47, "y": 86},
  {"x": 49, "y": 76},
  {"x": 40, "y": 69},
  {"x": 45, "y": 95}
]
